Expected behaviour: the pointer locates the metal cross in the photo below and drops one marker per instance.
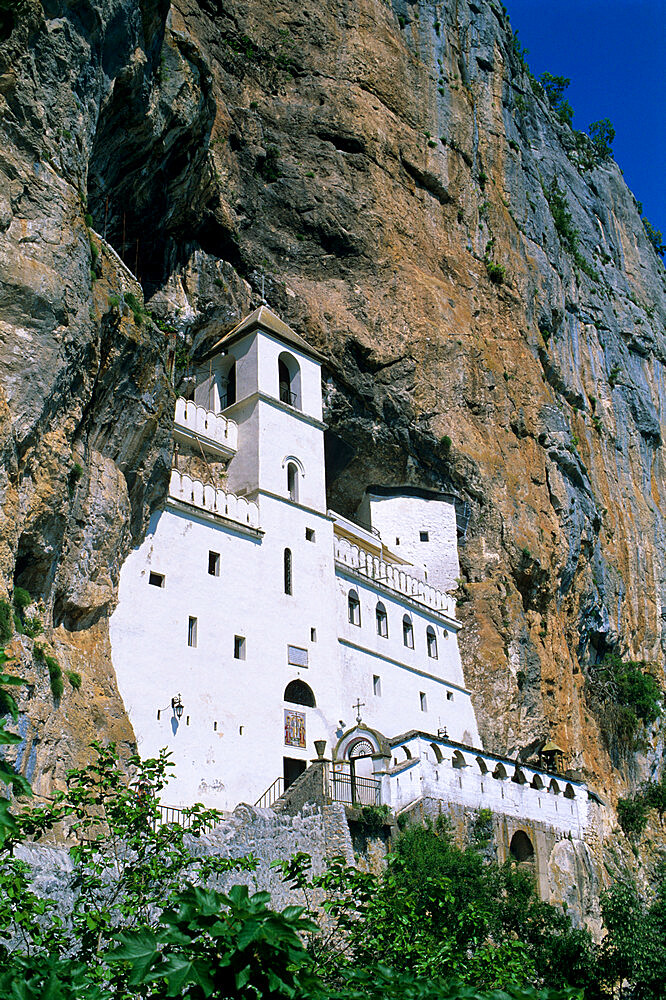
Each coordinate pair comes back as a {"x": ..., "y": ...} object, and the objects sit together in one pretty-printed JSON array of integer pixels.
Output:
[{"x": 358, "y": 706}]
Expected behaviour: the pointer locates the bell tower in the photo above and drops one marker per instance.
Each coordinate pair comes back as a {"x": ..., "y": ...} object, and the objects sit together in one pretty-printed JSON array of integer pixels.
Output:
[{"x": 268, "y": 379}]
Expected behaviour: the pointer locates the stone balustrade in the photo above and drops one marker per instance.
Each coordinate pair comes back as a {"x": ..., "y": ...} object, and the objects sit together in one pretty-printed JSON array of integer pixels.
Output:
[
  {"x": 206, "y": 497},
  {"x": 392, "y": 576},
  {"x": 215, "y": 431}
]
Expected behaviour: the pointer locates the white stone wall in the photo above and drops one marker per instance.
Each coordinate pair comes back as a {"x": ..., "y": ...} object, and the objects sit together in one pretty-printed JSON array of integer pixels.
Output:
[
  {"x": 404, "y": 673},
  {"x": 425, "y": 775},
  {"x": 400, "y": 521}
]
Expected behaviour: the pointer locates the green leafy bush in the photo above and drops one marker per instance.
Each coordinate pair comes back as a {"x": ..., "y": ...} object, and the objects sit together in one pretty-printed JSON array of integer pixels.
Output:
[
  {"x": 632, "y": 814},
  {"x": 6, "y": 622},
  {"x": 136, "y": 307},
  {"x": 21, "y": 598},
  {"x": 655, "y": 237},
  {"x": 626, "y": 699},
  {"x": 602, "y": 135},
  {"x": 496, "y": 272},
  {"x": 74, "y": 679}
]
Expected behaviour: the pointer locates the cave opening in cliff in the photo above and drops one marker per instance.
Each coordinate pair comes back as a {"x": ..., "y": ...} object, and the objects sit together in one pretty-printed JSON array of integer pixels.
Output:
[
  {"x": 35, "y": 564},
  {"x": 151, "y": 191}
]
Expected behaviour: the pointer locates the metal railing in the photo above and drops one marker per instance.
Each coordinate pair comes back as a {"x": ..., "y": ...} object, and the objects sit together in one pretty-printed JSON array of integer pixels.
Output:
[
  {"x": 286, "y": 395},
  {"x": 181, "y": 817},
  {"x": 271, "y": 795},
  {"x": 354, "y": 791}
]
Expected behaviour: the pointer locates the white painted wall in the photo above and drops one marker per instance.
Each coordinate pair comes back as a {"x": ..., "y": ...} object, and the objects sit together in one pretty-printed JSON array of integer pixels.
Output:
[
  {"x": 400, "y": 521},
  {"x": 469, "y": 786}
]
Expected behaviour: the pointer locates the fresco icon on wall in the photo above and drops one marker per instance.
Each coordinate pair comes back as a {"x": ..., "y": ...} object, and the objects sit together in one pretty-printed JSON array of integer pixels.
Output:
[{"x": 294, "y": 728}]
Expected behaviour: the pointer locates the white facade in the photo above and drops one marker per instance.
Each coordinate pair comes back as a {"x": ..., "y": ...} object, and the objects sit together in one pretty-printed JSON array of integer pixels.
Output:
[{"x": 241, "y": 595}]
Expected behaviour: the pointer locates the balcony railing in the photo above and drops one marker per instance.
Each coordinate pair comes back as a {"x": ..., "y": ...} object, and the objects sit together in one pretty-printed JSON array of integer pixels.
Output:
[
  {"x": 354, "y": 791},
  {"x": 216, "y": 432},
  {"x": 206, "y": 497},
  {"x": 286, "y": 395},
  {"x": 392, "y": 576},
  {"x": 181, "y": 817}
]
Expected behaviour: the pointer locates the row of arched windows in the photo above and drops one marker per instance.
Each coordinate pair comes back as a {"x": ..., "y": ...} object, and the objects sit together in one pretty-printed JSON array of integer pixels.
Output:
[
  {"x": 289, "y": 383},
  {"x": 381, "y": 622}
]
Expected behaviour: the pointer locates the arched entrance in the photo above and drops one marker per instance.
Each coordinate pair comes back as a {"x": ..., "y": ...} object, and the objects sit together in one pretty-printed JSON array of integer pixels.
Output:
[{"x": 521, "y": 848}]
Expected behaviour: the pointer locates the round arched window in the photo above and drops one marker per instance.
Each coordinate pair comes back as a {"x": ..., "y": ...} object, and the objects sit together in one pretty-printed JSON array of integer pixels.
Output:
[{"x": 361, "y": 748}]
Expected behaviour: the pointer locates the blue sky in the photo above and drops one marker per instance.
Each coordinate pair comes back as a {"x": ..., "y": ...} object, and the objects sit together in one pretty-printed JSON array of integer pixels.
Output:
[{"x": 614, "y": 53}]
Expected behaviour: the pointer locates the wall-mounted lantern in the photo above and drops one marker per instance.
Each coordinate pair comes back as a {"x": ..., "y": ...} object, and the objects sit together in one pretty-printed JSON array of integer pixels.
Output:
[{"x": 177, "y": 706}]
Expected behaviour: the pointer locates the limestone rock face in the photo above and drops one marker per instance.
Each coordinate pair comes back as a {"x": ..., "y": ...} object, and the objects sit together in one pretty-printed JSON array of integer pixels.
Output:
[{"x": 478, "y": 276}]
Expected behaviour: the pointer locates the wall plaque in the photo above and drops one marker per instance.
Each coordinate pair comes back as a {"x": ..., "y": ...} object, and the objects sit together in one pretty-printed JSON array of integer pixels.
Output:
[{"x": 296, "y": 656}]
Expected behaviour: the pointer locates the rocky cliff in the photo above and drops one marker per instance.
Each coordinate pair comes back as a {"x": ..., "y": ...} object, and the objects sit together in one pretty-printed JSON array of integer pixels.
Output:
[{"x": 477, "y": 274}]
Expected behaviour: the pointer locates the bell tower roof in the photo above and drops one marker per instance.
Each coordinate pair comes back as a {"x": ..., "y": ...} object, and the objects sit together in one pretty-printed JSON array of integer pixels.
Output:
[{"x": 265, "y": 319}]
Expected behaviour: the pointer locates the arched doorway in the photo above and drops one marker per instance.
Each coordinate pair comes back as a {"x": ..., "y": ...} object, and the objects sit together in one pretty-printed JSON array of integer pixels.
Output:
[{"x": 521, "y": 848}]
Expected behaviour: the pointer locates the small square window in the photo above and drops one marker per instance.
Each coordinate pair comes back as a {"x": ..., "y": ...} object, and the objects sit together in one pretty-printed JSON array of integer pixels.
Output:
[
  {"x": 424, "y": 536},
  {"x": 449, "y": 695},
  {"x": 309, "y": 534},
  {"x": 192, "y": 632},
  {"x": 239, "y": 647},
  {"x": 313, "y": 635},
  {"x": 213, "y": 563},
  {"x": 424, "y": 701},
  {"x": 156, "y": 579},
  {"x": 376, "y": 685}
]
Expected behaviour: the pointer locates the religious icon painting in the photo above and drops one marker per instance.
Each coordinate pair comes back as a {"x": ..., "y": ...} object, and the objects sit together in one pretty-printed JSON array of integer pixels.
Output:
[{"x": 294, "y": 728}]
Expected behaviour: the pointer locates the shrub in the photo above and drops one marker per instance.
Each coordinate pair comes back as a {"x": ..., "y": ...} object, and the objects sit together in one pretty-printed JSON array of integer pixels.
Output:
[
  {"x": 269, "y": 167},
  {"x": 374, "y": 818},
  {"x": 33, "y": 626},
  {"x": 613, "y": 375},
  {"x": 632, "y": 815},
  {"x": 496, "y": 272},
  {"x": 483, "y": 177},
  {"x": 55, "y": 677},
  {"x": 655, "y": 237},
  {"x": 74, "y": 679},
  {"x": 88, "y": 220},
  {"x": 6, "y": 622},
  {"x": 137, "y": 309},
  {"x": 446, "y": 442},
  {"x": 21, "y": 598},
  {"x": 602, "y": 135}
]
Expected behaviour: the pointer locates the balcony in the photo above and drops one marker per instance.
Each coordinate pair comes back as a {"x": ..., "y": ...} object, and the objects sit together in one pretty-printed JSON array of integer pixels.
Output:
[
  {"x": 216, "y": 434},
  {"x": 393, "y": 577},
  {"x": 214, "y": 501}
]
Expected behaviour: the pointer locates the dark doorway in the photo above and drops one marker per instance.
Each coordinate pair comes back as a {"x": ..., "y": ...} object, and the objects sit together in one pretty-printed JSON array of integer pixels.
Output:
[{"x": 292, "y": 769}]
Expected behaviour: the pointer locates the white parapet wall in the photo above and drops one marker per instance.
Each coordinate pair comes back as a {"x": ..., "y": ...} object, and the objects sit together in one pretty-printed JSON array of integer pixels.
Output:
[
  {"x": 214, "y": 430},
  {"x": 392, "y": 576},
  {"x": 441, "y": 770},
  {"x": 204, "y": 496}
]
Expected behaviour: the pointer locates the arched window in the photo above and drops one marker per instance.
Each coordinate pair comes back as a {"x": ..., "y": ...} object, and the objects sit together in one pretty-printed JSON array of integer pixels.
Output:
[
  {"x": 408, "y": 632},
  {"x": 521, "y": 847},
  {"x": 554, "y": 787},
  {"x": 382, "y": 620},
  {"x": 569, "y": 792},
  {"x": 518, "y": 777},
  {"x": 298, "y": 693},
  {"x": 458, "y": 760},
  {"x": 432, "y": 642},
  {"x": 437, "y": 752},
  {"x": 289, "y": 380},
  {"x": 292, "y": 481},
  {"x": 483, "y": 767},
  {"x": 500, "y": 772},
  {"x": 353, "y": 608},
  {"x": 288, "y": 581},
  {"x": 536, "y": 782}
]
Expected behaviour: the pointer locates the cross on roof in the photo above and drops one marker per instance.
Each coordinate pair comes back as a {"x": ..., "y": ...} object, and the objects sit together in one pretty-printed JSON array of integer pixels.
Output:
[{"x": 358, "y": 706}]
